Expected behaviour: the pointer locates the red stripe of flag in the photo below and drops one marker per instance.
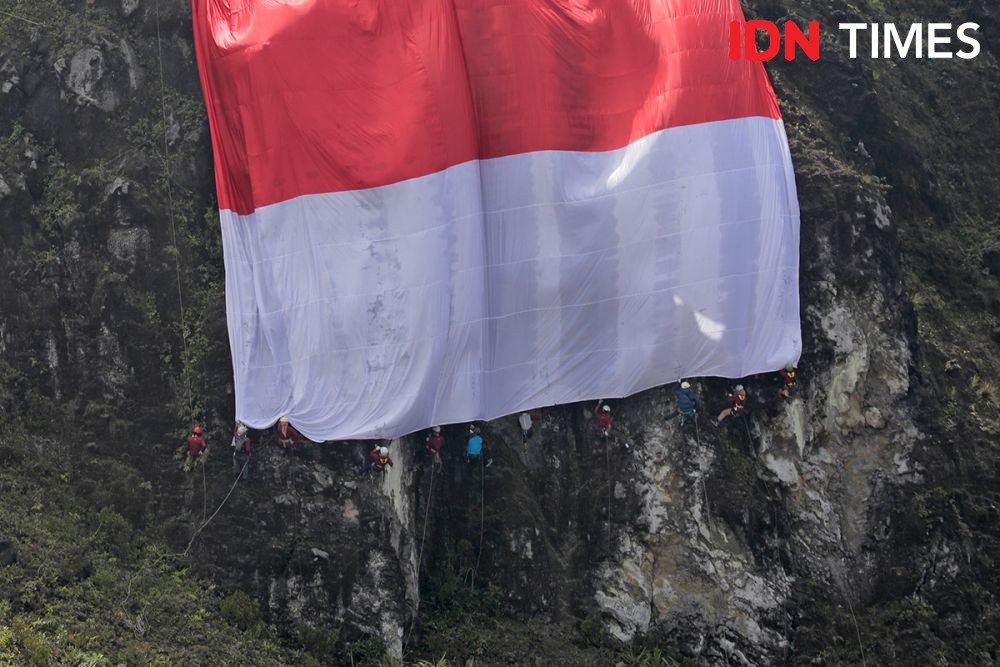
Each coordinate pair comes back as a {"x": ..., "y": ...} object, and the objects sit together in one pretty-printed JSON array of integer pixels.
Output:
[{"x": 315, "y": 96}]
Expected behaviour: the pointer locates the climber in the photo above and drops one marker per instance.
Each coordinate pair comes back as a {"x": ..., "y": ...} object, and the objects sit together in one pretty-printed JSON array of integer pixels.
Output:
[
  {"x": 602, "y": 415},
  {"x": 738, "y": 398},
  {"x": 527, "y": 428},
  {"x": 288, "y": 436},
  {"x": 378, "y": 459},
  {"x": 476, "y": 448},
  {"x": 196, "y": 447},
  {"x": 241, "y": 450},
  {"x": 789, "y": 377},
  {"x": 432, "y": 445},
  {"x": 687, "y": 400}
]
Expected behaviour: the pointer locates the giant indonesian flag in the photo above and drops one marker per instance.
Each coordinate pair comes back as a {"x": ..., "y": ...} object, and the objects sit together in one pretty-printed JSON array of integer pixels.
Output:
[{"x": 436, "y": 211}]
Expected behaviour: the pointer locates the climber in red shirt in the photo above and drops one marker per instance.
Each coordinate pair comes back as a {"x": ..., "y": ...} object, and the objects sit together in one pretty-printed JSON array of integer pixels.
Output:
[
  {"x": 378, "y": 459},
  {"x": 196, "y": 446},
  {"x": 288, "y": 437},
  {"x": 602, "y": 415},
  {"x": 432, "y": 445},
  {"x": 738, "y": 398}
]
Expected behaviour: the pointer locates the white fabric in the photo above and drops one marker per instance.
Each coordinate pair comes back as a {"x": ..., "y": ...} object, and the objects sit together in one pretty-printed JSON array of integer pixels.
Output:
[{"x": 504, "y": 285}]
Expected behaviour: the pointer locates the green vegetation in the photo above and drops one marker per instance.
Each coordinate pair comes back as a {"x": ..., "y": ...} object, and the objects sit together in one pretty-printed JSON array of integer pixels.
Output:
[
  {"x": 86, "y": 588},
  {"x": 88, "y": 582}
]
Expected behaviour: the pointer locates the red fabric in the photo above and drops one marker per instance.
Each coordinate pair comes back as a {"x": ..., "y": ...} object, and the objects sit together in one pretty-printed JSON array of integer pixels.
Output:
[
  {"x": 314, "y": 96},
  {"x": 287, "y": 435},
  {"x": 604, "y": 420},
  {"x": 738, "y": 402},
  {"x": 435, "y": 442},
  {"x": 789, "y": 380},
  {"x": 196, "y": 445}
]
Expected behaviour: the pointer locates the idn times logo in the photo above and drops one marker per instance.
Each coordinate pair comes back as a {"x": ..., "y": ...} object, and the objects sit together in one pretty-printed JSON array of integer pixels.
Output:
[{"x": 880, "y": 40}]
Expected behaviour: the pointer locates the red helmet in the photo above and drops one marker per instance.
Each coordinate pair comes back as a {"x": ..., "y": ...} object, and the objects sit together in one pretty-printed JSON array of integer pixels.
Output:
[{"x": 197, "y": 430}]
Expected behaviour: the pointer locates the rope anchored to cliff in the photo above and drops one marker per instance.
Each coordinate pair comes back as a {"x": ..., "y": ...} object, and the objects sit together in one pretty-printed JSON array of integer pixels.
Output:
[
  {"x": 21, "y": 18},
  {"x": 753, "y": 449},
  {"x": 189, "y": 401},
  {"x": 137, "y": 620},
  {"x": 420, "y": 554},
  {"x": 701, "y": 478},
  {"x": 427, "y": 511},
  {"x": 482, "y": 516}
]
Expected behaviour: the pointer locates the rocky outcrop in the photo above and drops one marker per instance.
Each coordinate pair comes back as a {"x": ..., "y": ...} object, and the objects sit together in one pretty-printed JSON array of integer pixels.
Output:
[{"x": 323, "y": 546}]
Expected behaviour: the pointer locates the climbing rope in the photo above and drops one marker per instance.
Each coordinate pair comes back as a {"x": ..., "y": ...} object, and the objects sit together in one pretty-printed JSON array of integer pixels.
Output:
[
  {"x": 204, "y": 493},
  {"x": 420, "y": 554},
  {"x": 482, "y": 513},
  {"x": 753, "y": 450},
  {"x": 841, "y": 585},
  {"x": 756, "y": 470},
  {"x": 607, "y": 463},
  {"x": 701, "y": 478},
  {"x": 187, "y": 549},
  {"x": 15, "y": 16},
  {"x": 857, "y": 630},
  {"x": 217, "y": 510},
  {"x": 427, "y": 511},
  {"x": 170, "y": 206}
]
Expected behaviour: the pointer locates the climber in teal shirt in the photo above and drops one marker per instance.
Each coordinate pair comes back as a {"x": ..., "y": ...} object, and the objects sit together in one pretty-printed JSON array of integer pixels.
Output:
[{"x": 476, "y": 448}]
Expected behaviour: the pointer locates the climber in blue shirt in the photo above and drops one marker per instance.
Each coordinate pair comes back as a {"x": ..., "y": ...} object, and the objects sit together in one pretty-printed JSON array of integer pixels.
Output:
[
  {"x": 687, "y": 400},
  {"x": 475, "y": 447}
]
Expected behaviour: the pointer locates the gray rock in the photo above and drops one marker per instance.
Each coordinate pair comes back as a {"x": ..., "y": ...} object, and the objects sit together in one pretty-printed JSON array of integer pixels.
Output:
[
  {"x": 874, "y": 418},
  {"x": 84, "y": 78}
]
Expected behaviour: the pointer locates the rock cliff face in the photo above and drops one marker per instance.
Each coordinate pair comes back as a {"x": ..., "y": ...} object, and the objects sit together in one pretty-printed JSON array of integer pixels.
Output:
[{"x": 863, "y": 512}]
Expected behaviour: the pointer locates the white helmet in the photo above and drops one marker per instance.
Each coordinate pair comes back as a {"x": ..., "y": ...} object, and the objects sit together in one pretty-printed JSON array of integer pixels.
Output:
[
  {"x": 739, "y": 388},
  {"x": 436, "y": 429},
  {"x": 384, "y": 451},
  {"x": 685, "y": 385},
  {"x": 283, "y": 419},
  {"x": 607, "y": 408},
  {"x": 241, "y": 430}
]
